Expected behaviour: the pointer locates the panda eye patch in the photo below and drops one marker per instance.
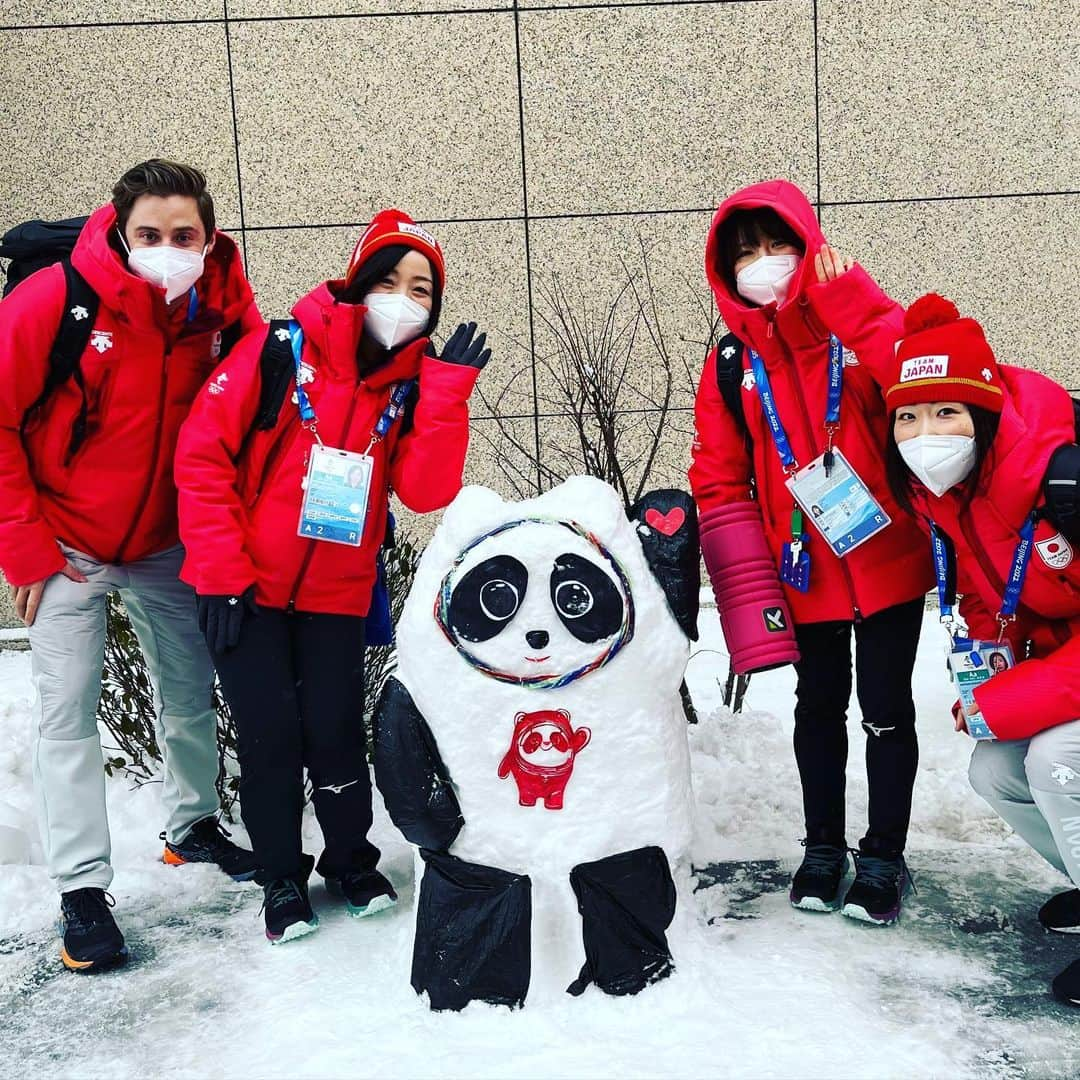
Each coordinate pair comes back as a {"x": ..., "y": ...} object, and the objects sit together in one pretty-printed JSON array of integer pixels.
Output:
[
  {"x": 585, "y": 599},
  {"x": 487, "y": 598}
]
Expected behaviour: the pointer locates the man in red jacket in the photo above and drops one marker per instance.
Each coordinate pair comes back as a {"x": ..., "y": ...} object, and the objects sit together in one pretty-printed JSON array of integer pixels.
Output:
[{"x": 83, "y": 516}]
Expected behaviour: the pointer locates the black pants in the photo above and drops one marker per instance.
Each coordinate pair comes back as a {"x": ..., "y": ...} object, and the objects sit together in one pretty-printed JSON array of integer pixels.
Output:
[
  {"x": 885, "y": 645},
  {"x": 295, "y": 685}
]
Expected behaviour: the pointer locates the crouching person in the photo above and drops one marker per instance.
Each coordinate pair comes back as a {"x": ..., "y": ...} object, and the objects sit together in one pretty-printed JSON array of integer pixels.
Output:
[
  {"x": 284, "y": 470},
  {"x": 88, "y": 506}
]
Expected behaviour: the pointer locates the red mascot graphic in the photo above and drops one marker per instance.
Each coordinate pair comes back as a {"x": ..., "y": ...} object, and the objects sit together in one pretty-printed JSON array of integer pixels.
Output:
[{"x": 541, "y": 756}]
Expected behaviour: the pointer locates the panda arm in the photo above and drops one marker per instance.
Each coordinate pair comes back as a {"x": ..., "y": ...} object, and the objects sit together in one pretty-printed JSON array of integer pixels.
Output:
[{"x": 410, "y": 773}]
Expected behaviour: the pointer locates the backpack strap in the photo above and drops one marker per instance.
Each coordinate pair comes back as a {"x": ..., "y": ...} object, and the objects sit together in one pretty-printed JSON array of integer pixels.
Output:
[
  {"x": 72, "y": 336},
  {"x": 1061, "y": 485},
  {"x": 729, "y": 376},
  {"x": 277, "y": 372}
]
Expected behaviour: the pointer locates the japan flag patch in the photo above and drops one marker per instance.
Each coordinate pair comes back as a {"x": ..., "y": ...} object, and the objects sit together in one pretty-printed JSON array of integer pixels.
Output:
[{"x": 1055, "y": 551}]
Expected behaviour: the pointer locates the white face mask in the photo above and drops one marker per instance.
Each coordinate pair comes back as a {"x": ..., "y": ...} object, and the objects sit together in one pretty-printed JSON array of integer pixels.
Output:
[
  {"x": 173, "y": 269},
  {"x": 767, "y": 279},
  {"x": 393, "y": 318},
  {"x": 939, "y": 461}
]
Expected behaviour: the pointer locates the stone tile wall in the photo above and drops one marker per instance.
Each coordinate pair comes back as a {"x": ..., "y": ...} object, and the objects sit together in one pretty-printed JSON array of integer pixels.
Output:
[{"x": 940, "y": 140}]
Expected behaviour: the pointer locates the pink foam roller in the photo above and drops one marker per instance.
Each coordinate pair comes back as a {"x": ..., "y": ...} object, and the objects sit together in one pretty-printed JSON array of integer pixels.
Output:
[{"x": 753, "y": 612}]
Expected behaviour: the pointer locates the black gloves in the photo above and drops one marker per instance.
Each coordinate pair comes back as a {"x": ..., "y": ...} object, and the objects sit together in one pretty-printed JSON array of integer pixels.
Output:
[
  {"x": 220, "y": 618},
  {"x": 461, "y": 349}
]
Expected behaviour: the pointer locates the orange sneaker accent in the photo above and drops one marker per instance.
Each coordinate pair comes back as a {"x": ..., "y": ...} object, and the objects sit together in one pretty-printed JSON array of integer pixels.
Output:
[
  {"x": 170, "y": 858},
  {"x": 74, "y": 965}
]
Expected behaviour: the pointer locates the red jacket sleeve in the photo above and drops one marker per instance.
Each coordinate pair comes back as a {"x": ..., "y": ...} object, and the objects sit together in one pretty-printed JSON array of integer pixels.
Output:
[
  {"x": 720, "y": 468},
  {"x": 866, "y": 321},
  {"x": 212, "y": 516},
  {"x": 29, "y": 320},
  {"x": 427, "y": 462},
  {"x": 1035, "y": 695}
]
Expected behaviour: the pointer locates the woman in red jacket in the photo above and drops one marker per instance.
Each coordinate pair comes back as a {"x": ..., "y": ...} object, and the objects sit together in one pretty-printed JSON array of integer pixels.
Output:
[
  {"x": 282, "y": 529},
  {"x": 971, "y": 442},
  {"x": 806, "y": 393}
]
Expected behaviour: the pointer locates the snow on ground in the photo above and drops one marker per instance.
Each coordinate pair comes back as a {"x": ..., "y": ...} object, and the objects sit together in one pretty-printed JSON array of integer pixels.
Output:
[{"x": 958, "y": 989}]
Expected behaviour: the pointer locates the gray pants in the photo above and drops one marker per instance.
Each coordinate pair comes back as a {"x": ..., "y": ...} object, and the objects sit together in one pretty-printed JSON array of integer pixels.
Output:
[
  {"x": 1034, "y": 784},
  {"x": 67, "y": 641}
]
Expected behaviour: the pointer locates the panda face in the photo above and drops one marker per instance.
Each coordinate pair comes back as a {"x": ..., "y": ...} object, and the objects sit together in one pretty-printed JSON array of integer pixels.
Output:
[
  {"x": 534, "y": 602},
  {"x": 544, "y": 746}
]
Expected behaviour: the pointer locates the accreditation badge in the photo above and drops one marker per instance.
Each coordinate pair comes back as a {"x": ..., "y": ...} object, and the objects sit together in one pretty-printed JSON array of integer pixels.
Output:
[
  {"x": 336, "y": 492},
  {"x": 838, "y": 503},
  {"x": 971, "y": 663}
]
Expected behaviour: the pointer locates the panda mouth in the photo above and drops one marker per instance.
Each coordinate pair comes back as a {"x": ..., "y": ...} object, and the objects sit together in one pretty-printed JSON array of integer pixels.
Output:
[{"x": 537, "y": 659}]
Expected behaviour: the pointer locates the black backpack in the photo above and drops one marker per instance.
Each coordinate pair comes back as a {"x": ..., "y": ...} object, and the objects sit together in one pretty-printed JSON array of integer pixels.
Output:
[{"x": 32, "y": 246}]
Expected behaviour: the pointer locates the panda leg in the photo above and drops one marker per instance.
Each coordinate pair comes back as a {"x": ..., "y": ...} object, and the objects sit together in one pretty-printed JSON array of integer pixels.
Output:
[
  {"x": 627, "y": 902},
  {"x": 473, "y": 934}
]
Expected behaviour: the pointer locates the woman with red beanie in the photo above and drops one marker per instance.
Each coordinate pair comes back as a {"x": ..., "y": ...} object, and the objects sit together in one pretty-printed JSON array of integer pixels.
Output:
[
  {"x": 804, "y": 462},
  {"x": 283, "y": 520},
  {"x": 985, "y": 456}
]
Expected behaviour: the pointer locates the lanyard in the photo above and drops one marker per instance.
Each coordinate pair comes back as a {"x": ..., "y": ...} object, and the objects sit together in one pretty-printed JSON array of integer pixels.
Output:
[
  {"x": 945, "y": 572},
  {"x": 772, "y": 416},
  {"x": 310, "y": 421}
]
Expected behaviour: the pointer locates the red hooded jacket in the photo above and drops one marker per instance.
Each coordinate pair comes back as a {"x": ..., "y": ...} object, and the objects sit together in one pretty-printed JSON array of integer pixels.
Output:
[
  {"x": 1044, "y": 690},
  {"x": 114, "y": 499},
  {"x": 793, "y": 341},
  {"x": 239, "y": 509}
]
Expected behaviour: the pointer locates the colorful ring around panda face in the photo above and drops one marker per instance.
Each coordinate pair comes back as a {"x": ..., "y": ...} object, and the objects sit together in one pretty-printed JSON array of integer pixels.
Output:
[{"x": 622, "y": 636}]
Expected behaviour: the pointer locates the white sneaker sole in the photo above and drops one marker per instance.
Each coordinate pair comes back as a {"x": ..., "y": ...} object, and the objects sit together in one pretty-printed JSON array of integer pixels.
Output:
[
  {"x": 295, "y": 930},
  {"x": 815, "y": 903},
  {"x": 856, "y": 911},
  {"x": 1063, "y": 929},
  {"x": 380, "y": 903}
]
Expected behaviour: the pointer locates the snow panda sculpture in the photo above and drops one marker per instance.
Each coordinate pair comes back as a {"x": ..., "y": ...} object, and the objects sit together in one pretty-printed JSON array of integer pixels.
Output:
[{"x": 533, "y": 744}]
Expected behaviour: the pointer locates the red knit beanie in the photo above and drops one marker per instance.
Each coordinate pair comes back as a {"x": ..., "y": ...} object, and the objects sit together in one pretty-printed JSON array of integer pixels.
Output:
[
  {"x": 390, "y": 227},
  {"x": 943, "y": 358}
]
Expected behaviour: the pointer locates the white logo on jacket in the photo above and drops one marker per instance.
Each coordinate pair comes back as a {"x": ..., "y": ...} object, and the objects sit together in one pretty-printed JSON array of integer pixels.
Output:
[
  {"x": 924, "y": 367},
  {"x": 218, "y": 385},
  {"x": 305, "y": 375},
  {"x": 1055, "y": 551},
  {"x": 101, "y": 340},
  {"x": 748, "y": 380},
  {"x": 78, "y": 313},
  {"x": 282, "y": 334}
]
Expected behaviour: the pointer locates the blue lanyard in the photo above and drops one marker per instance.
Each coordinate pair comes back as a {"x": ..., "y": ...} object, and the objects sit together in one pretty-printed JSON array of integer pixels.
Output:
[
  {"x": 393, "y": 410},
  {"x": 944, "y": 571},
  {"x": 772, "y": 416},
  {"x": 192, "y": 304}
]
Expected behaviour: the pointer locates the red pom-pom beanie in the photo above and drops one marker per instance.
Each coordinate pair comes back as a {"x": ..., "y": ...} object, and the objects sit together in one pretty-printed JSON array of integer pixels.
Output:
[
  {"x": 943, "y": 357},
  {"x": 395, "y": 227}
]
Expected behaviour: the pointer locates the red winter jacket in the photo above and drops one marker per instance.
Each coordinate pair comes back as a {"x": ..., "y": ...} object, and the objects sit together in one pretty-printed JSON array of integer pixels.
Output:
[
  {"x": 793, "y": 342},
  {"x": 115, "y": 499},
  {"x": 239, "y": 512},
  {"x": 1045, "y": 690}
]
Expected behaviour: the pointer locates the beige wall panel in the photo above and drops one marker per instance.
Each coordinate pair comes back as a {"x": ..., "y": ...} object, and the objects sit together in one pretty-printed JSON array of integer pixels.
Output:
[
  {"x": 1010, "y": 263},
  {"x": 338, "y": 117},
  {"x": 586, "y": 257},
  {"x": 7, "y": 609},
  {"x": 81, "y": 106},
  {"x": 486, "y": 284},
  {"x": 920, "y": 97},
  {"x": 66, "y": 12},
  {"x": 561, "y": 454},
  {"x": 641, "y": 108},
  {"x": 250, "y": 9}
]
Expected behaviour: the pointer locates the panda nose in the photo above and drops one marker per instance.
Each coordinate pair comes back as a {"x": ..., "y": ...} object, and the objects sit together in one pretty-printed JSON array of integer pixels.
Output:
[{"x": 537, "y": 639}]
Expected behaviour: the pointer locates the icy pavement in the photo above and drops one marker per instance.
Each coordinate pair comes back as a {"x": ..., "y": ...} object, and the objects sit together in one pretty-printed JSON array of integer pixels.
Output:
[{"x": 958, "y": 989}]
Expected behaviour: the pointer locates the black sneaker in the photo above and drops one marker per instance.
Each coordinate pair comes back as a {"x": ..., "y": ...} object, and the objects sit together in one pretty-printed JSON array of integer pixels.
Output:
[
  {"x": 1061, "y": 913},
  {"x": 1066, "y": 986},
  {"x": 366, "y": 892},
  {"x": 208, "y": 842},
  {"x": 878, "y": 890},
  {"x": 288, "y": 910},
  {"x": 817, "y": 881},
  {"x": 92, "y": 940}
]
